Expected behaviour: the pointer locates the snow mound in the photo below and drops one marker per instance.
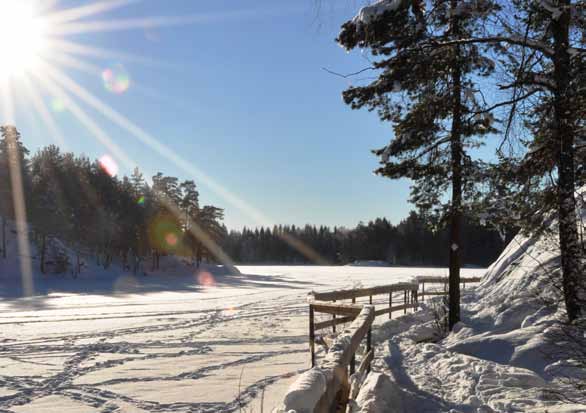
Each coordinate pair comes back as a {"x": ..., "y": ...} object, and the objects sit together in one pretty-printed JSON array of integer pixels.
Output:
[
  {"x": 304, "y": 394},
  {"x": 379, "y": 394}
]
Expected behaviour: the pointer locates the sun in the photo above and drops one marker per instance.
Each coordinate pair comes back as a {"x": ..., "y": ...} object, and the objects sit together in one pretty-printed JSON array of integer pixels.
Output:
[{"x": 22, "y": 37}]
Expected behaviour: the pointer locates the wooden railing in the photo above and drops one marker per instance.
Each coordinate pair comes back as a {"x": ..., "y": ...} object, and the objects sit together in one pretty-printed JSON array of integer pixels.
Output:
[
  {"x": 426, "y": 279},
  {"x": 319, "y": 304},
  {"x": 331, "y": 378}
]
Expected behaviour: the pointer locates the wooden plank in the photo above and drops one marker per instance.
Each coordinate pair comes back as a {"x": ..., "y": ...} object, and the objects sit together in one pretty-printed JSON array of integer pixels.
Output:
[
  {"x": 366, "y": 318},
  {"x": 334, "y": 320},
  {"x": 363, "y": 292},
  {"x": 434, "y": 279},
  {"x": 395, "y": 308},
  {"x": 311, "y": 336},
  {"x": 436, "y": 293},
  {"x": 366, "y": 360},
  {"x": 337, "y": 309},
  {"x": 335, "y": 364},
  {"x": 329, "y": 323}
]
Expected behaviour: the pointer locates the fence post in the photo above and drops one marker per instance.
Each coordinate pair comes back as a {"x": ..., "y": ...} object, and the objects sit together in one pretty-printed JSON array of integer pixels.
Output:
[
  {"x": 370, "y": 300},
  {"x": 311, "y": 336},
  {"x": 405, "y": 302},
  {"x": 422, "y": 292},
  {"x": 353, "y": 364},
  {"x": 334, "y": 318},
  {"x": 390, "y": 305},
  {"x": 369, "y": 344},
  {"x": 414, "y": 300}
]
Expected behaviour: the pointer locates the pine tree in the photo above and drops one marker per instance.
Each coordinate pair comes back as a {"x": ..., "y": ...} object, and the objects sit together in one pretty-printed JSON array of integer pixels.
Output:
[
  {"x": 189, "y": 205},
  {"x": 546, "y": 62},
  {"x": 430, "y": 95},
  {"x": 14, "y": 182}
]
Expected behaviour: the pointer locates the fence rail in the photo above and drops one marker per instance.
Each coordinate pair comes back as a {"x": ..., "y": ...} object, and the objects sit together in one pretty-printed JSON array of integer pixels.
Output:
[
  {"x": 332, "y": 376},
  {"x": 434, "y": 279},
  {"x": 318, "y": 304}
]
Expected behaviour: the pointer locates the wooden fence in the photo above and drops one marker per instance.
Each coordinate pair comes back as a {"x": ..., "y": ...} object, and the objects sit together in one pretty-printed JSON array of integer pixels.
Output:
[
  {"x": 332, "y": 375},
  {"x": 331, "y": 378},
  {"x": 347, "y": 312}
]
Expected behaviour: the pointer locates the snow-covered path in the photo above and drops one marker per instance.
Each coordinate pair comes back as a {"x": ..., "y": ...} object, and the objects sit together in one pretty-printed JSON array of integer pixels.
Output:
[{"x": 209, "y": 345}]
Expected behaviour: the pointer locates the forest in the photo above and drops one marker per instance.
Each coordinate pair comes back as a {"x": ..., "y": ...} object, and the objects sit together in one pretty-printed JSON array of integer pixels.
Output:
[
  {"x": 79, "y": 203},
  {"x": 71, "y": 200}
]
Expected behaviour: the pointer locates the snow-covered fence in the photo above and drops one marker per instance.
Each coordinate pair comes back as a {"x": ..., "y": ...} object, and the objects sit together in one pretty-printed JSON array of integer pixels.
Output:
[
  {"x": 326, "y": 388},
  {"x": 426, "y": 279},
  {"x": 409, "y": 290}
]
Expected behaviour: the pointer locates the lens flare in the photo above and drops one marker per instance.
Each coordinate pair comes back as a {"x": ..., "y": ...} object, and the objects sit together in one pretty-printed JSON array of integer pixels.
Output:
[
  {"x": 57, "y": 105},
  {"x": 171, "y": 239},
  {"x": 108, "y": 165},
  {"x": 116, "y": 79},
  {"x": 140, "y": 201},
  {"x": 164, "y": 232},
  {"x": 206, "y": 279},
  {"x": 230, "y": 311}
]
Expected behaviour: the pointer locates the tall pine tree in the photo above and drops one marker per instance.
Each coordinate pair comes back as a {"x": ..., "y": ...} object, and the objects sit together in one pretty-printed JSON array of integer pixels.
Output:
[{"x": 430, "y": 94}]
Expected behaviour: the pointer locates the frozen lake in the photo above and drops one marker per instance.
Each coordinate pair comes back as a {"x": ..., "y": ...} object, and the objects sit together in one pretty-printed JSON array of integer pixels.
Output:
[{"x": 203, "y": 343}]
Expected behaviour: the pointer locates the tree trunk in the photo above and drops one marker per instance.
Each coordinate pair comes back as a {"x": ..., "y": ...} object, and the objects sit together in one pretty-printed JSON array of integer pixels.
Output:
[
  {"x": 3, "y": 237},
  {"x": 456, "y": 166},
  {"x": 563, "y": 135},
  {"x": 43, "y": 253},
  {"x": 77, "y": 264},
  {"x": 198, "y": 256}
]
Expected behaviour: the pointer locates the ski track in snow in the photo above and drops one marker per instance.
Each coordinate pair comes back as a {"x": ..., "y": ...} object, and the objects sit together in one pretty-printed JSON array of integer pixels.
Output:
[
  {"x": 210, "y": 351},
  {"x": 33, "y": 387}
]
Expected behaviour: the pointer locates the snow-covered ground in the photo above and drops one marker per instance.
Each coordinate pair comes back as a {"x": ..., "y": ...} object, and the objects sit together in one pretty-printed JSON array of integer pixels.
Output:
[{"x": 183, "y": 341}]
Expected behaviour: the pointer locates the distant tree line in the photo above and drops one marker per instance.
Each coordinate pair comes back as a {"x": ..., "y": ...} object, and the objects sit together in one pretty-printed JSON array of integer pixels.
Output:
[
  {"x": 73, "y": 201},
  {"x": 414, "y": 241}
]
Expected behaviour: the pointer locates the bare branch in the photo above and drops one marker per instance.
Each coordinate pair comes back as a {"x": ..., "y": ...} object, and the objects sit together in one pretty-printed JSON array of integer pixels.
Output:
[{"x": 347, "y": 75}]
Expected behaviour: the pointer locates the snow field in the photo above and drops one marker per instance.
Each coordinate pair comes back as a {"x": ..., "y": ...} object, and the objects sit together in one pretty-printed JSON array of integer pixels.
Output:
[{"x": 185, "y": 348}]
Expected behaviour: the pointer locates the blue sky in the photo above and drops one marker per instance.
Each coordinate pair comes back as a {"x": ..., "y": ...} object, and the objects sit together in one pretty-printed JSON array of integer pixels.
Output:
[{"x": 240, "y": 94}]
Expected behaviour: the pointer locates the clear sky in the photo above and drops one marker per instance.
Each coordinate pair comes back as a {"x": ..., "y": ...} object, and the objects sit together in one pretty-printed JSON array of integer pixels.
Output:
[{"x": 240, "y": 94}]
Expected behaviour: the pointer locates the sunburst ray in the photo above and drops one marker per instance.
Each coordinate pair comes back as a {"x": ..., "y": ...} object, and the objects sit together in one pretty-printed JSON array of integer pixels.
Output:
[
  {"x": 18, "y": 196},
  {"x": 92, "y": 9}
]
